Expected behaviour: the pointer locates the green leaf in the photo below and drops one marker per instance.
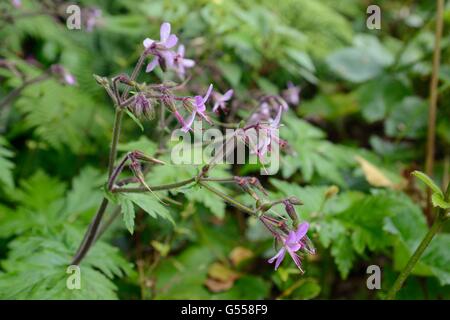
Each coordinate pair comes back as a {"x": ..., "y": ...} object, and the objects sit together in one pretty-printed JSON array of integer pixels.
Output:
[
  {"x": 190, "y": 268},
  {"x": 408, "y": 119},
  {"x": 149, "y": 204},
  {"x": 61, "y": 116},
  {"x": 410, "y": 226},
  {"x": 246, "y": 288},
  {"x": 428, "y": 181},
  {"x": 128, "y": 214},
  {"x": 231, "y": 72},
  {"x": 438, "y": 201},
  {"x": 365, "y": 61},
  {"x": 354, "y": 64},
  {"x": 308, "y": 289},
  {"x": 36, "y": 268},
  {"x": 6, "y": 165},
  {"x": 302, "y": 58},
  {"x": 380, "y": 96},
  {"x": 313, "y": 154},
  {"x": 142, "y": 144},
  {"x": 343, "y": 255}
]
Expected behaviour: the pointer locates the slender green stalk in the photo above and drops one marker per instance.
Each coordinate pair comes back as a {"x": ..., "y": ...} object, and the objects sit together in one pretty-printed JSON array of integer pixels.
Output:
[
  {"x": 220, "y": 180},
  {"x": 154, "y": 188},
  {"x": 441, "y": 217},
  {"x": 228, "y": 199},
  {"x": 415, "y": 258},
  {"x": 115, "y": 140}
]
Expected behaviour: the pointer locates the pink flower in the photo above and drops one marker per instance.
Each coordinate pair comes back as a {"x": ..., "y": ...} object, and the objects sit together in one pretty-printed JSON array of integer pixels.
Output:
[
  {"x": 180, "y": 63},
  {"x": 91, "y": 18},
  {"x": 167, "y": 40},
  {"x": 295, "y": 241},
  {"x": 199, "y": 107},
  {"x": 16, "y": 3},
  {"x": 219, "y": 100},
  {"x": 292, "y": 94},
  {"x": 260, "y": 136},
  {"x": 161, "y": 48},
  {"x": 63, "y": 75},
  {"x": 271, "y": 134}
]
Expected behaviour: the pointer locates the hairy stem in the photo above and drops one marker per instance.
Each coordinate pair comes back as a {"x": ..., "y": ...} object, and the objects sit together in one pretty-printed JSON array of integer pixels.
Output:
[
  {"x": 115, "y": 140},
  {"x": 91, "y": 232}
]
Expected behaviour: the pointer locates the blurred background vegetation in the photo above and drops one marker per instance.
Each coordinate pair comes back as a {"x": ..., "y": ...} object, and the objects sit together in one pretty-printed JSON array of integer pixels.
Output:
[{"x": 357, "y": 133}]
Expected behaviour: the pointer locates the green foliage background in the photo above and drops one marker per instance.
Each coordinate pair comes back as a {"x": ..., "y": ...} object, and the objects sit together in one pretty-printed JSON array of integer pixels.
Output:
[{"x": 364, "y": 96}]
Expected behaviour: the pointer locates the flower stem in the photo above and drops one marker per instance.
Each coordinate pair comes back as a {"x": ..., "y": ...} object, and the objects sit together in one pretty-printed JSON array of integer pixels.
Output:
[
  {"x": 441, "y": 217},
  {"x": 155, "y": 188},
  {"x": 115, "y": 140},
  {"x": 415, "y": 258},
  {"x": 89, "y": 237},
  {"x": 91, "y": 232},
  {"x": 228, "y": 199}
]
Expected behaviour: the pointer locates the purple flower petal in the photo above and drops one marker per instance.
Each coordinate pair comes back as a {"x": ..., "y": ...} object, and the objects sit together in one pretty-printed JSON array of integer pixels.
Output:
[
  {"x": 200, "y": 104},
  {"x": 180, "y": 50},
  {"x": 171, "y": 41},
  {"x": 148, "y": 42},
  {"x": 189, "y": 122},
  {"x": 291, "y": 237},
  {"x": 152, "y": 65},
  {"x": 168, "y": 57},
  {"x": 301, "y": 231},
  {"x": 227, "y": 95},
  {"x": 205, "y": 98},
  {"x": 279, "y": 257},
  {"x": 188, "y": 63},
  {"x": 164, "y": 32},
  {"x": 69, "y": 79},
  {"x": 16, "y": 3},
  {"x": 276, "y": 122}
]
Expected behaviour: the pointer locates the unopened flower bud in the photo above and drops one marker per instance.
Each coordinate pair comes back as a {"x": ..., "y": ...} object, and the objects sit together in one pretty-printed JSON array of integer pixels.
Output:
[
  {"x": 295, "y": 201},
  {"x": 141, "y": 156},
  {"x": 143, "y": 106},
  {"x": 101, "y": 80},
  {"x": 126, "y": 80},
  {"x": 289, "y": 207},
  {"x": 263, "y": 206}
]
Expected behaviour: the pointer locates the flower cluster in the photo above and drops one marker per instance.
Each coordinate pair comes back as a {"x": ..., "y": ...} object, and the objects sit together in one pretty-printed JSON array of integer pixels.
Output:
[
  {"x": 262, "y": 131},
  {"x": 259, "y": 133},
  {"x": 292, "y": 237},
  {"x": 164, "y": 56}
]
